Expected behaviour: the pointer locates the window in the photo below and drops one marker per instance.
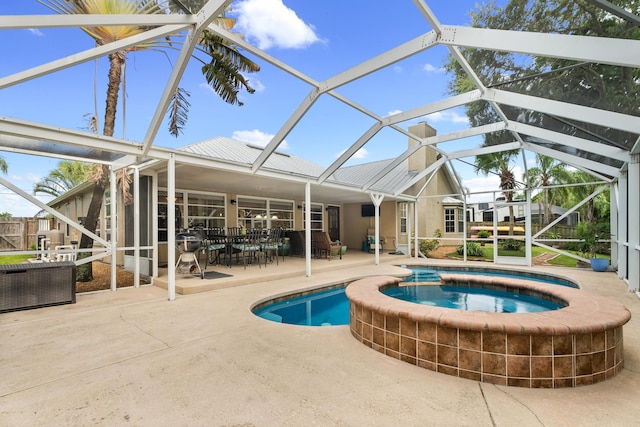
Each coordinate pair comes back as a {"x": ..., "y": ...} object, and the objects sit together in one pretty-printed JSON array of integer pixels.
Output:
[
  {"x": 317, "y": 217},
  {"x": 163, "y": 215},
  {"x": 404, "y": 208},
  {"x": 453, "y": 216},
  {"x": 449, "y": 220},
  {"x": 67, "y": 214},
  {"x": 265, "y": 213},
  {"x": 205, "y": 211},
  {"x": 252, "y": 213},
  {"x": 107, "y": 215},
  {"x": 281, "y": 214}
]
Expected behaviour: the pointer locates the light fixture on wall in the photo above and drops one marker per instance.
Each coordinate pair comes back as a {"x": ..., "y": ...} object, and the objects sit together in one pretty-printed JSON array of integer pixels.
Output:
[
  {"x": 300, "y": 207},
  {"x": 233, "y": 201}
]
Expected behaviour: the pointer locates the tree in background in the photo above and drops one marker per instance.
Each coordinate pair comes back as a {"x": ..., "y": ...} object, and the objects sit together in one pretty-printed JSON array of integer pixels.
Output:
[
  {"x": 3, "y": 165},
  {"x": 66, "y": 176},
  {"x": 601, "y": 86},
  {"x": 222, "y": 72},
  {"x": 597, "y": 209},
  {"x": 548, "y": 172},
  {"x": 500, "y": 164}
]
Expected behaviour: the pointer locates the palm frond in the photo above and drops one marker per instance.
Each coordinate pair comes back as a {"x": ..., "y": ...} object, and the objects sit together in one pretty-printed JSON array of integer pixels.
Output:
[
  {"x": 178, "y": 111},
  {"x": 123, "y": 177}
]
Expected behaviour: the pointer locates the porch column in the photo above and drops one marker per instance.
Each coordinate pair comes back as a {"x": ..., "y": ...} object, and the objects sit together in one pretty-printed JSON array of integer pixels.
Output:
[
  {"x": 136, "y": 227},
  {"x": 377, "y": 200},
  {"x": 154, "y": 223},
  {"x": 113, "y": 196},
  {"x": 307, "y": 227},
  {"x": 171, "y": 227}
]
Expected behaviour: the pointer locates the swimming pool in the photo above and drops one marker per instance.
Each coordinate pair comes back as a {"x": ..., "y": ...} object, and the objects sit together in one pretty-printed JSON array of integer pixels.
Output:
[
  {"x": 580, "y": 344},
  {"x": 329, "y": 307}
]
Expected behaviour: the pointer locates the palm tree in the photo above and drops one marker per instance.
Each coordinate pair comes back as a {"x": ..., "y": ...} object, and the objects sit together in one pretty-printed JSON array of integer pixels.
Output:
[
  {"x": 222, "y": 73},
  {"x": 548, "y": 171},
  {"x": 499, "y": 164},
  {"x": 596, "y": 207},
  {"x": 66, "y": 176},
  {"x": 3, "y": 165}
]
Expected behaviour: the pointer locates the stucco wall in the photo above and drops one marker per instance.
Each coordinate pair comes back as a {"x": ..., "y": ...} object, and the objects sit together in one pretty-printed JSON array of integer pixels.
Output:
[{"x": 355, "y": 226}]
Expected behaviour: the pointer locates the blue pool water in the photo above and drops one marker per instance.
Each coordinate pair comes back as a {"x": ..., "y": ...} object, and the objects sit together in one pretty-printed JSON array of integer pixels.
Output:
[
  {"x": 323, "y": 308},
  {"x": 472, "y": 299},
  {"x": 331, "y": 306}
]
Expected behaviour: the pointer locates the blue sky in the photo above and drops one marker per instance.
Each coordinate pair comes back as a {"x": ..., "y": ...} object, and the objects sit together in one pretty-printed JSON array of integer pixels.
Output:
[{"x": 320, "y": 39}]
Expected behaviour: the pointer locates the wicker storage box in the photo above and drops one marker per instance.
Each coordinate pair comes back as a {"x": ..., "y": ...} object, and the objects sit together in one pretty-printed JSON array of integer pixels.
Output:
[{"x": 26, "y": 286}]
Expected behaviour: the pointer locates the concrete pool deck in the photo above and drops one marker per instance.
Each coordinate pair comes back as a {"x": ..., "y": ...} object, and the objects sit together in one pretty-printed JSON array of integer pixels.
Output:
[{"x": 133, "y": 358}]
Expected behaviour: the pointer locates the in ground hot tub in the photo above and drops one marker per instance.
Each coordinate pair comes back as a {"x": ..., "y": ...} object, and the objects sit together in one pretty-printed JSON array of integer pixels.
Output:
[{"x": 579, "y": 344}]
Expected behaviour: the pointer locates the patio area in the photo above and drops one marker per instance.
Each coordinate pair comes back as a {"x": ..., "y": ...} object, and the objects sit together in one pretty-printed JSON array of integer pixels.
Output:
[{"x": 132, "y": 357}]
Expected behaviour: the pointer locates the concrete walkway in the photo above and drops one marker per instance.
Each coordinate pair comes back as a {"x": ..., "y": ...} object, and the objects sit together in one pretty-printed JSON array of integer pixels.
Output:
[{"x": 133, "y": 358}]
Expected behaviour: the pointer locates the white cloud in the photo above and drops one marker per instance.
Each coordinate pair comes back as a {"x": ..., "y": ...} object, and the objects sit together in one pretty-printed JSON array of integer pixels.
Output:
[
  {"x": 490, "y": 182},
  {"x": 256, "y": 84},
  {"x": 257, "y": 137},
  {"x": 447, "y": 116},
  {"x": 392, "y": 112},
  {"x": 360, "y": 154},
  {"x": 269, "y": 23},
  {"x": 35, "y": 32},
  {"x": 431, "y": 69}
]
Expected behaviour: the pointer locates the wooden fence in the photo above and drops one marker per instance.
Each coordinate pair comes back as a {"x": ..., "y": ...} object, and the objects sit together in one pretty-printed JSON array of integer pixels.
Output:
[{"x": 18, "y": 234}]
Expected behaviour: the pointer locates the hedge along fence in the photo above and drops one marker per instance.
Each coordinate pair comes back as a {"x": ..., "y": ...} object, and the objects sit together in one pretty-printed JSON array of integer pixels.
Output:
[{"x": 560, "y": 231}]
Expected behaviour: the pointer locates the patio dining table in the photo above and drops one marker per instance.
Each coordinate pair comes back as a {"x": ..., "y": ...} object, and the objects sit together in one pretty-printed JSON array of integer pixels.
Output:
[{"x": 213, "y": 243}]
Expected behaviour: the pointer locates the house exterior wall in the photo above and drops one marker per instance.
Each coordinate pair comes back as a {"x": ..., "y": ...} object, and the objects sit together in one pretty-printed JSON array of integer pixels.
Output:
[
  {"x": 75, "y": 207},
  {"x": 355, "y": 226},
  {"x": 430, "y": 209}
]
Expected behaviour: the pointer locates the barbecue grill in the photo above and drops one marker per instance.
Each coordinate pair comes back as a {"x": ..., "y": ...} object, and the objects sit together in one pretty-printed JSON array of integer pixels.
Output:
[{"x": 188, "y": 244}]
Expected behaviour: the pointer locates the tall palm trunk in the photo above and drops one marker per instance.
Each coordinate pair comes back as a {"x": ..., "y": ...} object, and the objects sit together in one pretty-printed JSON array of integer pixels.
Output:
[{"x": 116, "y": 61}]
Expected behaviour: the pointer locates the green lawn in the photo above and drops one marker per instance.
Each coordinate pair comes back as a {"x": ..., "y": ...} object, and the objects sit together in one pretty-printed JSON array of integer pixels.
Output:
[
  {"x": 14, "y": 259},
  {"x": 560, "y": 260}
]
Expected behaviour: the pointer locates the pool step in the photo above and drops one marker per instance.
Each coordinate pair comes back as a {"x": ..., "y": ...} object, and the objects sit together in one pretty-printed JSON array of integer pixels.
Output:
[{"x": 426, "y": 276}]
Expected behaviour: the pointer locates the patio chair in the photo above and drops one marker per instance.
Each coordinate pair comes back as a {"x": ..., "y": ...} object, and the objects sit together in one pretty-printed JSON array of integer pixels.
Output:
[
  {"x": 324, "y": 247},
  {"x": 297, "y": 243},
  {"x": 271, "y": 245},
  {"x": 249, "y": 246},
  {"x": 215, "y": 247},
  {"x": 371, "y": 241}
]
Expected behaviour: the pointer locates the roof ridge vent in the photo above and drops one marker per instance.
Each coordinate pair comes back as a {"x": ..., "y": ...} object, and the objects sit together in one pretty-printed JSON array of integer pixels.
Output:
[{"x": 257, "y": 147}]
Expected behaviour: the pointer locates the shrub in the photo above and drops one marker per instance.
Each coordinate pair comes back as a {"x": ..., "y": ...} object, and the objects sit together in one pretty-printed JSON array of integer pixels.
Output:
[
  {"x": 483, "y": 234},
  {"x": 511, "y": 245},
  {"x": 427, "y": 246},
  {"x": 473, "y": 249}
]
